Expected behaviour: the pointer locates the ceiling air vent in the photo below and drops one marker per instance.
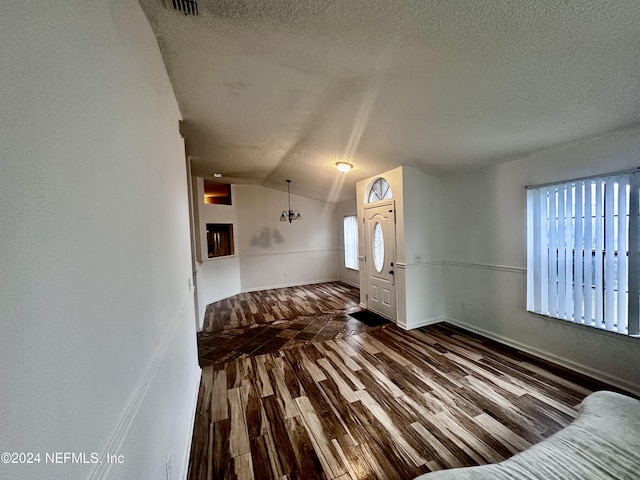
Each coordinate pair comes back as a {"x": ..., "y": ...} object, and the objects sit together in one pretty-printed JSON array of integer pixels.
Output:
[{"x": 188, "y": 7}]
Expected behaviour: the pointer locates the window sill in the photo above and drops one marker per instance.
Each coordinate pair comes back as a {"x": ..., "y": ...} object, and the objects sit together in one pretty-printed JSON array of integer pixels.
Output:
[
  {"x": 587, "y": 328},
  {"x": 220, "y": 257}
]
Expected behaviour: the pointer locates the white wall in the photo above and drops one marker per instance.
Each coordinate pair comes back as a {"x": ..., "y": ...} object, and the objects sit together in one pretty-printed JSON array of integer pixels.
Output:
[
  {"x": 420, "y": 274},
  {"x": 485, "y": 251},
  {"x": 98, "y": 332},
  {"x": 277, "y": 254},
  {"x": 219, "y": 277},
  {"x": 268, "y": 253},
  {"x": 346, "y": 275}
]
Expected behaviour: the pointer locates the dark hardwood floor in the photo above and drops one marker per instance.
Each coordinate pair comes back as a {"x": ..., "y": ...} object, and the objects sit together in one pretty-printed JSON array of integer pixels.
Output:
[
  {"x": 362, "y": 402},
  {"x": 268, "y": 321}
]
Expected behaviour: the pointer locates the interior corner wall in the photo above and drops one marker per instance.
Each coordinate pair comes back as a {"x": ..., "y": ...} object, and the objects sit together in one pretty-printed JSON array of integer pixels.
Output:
[
  {"x": 484, "y": 215},
  {"x": 346, "y": 275},
  {"x": 219, "y": 277},
  {"x": 98, "y": 330},
  {"x": 275, "y": 254},
  {"x": 268, "y": 253}
]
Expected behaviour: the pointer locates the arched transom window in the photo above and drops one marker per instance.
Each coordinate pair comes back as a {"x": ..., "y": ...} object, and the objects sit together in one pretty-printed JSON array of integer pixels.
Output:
[{"x": 380, "y": 190}]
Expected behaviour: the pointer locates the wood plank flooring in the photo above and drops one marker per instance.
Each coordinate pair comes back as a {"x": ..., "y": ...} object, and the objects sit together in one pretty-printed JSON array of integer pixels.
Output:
[
  {"x": 271, "y": 320},
  {"x": 266, "y": 306},
  {"x": 379, "y": 404}
]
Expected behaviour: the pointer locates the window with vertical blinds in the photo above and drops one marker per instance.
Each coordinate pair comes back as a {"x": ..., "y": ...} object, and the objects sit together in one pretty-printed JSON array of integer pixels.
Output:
[
  {"x": 351, "y": 242},
  {"x": 583, "y": 252}
]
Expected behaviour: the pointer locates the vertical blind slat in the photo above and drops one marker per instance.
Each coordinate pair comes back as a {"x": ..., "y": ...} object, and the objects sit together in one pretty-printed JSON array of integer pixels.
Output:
[
  {"x": 568, "y": 253},
  {"x": 544, "y": 251},
  {"x": 599, "y": 259},
  {"x": 633, "y": 309},
  {"x": 609, "y": 257},
  {"x": 537, "y": 228},
  {"x": 578, "y": 256},
  {"x": 621, "y": 304},
  {"x": 532, "y": 261},
  {"x": 588, "y": 254},
  {"x": 553, "y": 255},
  {"x": 560, "y": 237}
]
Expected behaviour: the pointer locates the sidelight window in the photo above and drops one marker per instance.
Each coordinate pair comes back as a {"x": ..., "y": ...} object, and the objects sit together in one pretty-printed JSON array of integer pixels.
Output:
[{"x": 351, "y": 242}]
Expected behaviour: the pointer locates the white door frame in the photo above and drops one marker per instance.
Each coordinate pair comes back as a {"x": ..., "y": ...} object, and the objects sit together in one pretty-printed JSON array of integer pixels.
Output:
[{"x": 389, "y": 265}]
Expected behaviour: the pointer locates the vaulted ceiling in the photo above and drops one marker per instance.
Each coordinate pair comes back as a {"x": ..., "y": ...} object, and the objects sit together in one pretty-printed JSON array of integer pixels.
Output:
[{"x": 277, "y": 89}]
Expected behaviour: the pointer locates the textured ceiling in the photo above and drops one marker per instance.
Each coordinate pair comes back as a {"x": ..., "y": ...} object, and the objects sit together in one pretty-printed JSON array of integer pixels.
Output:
[{"x": 276, "y": 89}]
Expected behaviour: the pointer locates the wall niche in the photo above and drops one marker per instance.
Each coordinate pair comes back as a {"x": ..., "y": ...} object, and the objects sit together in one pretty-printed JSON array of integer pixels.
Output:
[
  {"x": 219, "y": 240},
  {"x": 217, "y": 193}
]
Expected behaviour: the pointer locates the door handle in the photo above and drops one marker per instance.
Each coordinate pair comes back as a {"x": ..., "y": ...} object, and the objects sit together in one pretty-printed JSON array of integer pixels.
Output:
[{"x": 391, "y": 272}]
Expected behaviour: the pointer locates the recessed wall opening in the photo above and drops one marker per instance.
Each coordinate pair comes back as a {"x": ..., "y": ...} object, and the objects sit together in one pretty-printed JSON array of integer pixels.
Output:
[
  {"x": 217, "y": 193},
  {"x": 219, "y": 239}
]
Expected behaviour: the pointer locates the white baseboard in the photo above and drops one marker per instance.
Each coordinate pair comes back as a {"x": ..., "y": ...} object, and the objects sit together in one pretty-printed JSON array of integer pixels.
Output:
[
  {"x": 287, "y": 285},
  {"x": 346, "y": 282},
  {"x": 564, "y": 362},
  {"x": 192, "y": 416},
  {"x": 101, "y": 470},
  {"x": 222, "y": 297},
  {"x": 288, "y": 252},
  {"x": 271, "y": 287},
  {"x": 421, "y": 323}
]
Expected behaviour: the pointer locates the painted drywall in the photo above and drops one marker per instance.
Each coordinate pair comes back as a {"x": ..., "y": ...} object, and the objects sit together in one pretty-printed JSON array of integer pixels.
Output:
[
  {"x": 485, "y": 256},
  {"x": 276, "y": 254},
  {"x": 418, "y": 233},
  {"x": 421, "y": 272},
  {"x": 217, "y": 278},
  {"x": 268, "y": 253},
  {"x": 98, "y": 329},
  {"x": 346, "y": 275},
  {"x": 212, "y": 213}
]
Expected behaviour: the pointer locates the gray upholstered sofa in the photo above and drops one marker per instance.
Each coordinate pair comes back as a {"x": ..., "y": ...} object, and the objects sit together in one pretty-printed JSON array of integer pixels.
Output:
[{"x": 602, "y": 443}]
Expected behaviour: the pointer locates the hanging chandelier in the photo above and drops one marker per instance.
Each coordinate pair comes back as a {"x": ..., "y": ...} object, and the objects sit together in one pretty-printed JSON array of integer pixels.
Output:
[{"x": 291, "y": 214}]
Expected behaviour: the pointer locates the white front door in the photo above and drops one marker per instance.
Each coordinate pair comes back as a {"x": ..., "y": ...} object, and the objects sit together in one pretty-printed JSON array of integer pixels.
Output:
[{"x": 380, "y": 257}]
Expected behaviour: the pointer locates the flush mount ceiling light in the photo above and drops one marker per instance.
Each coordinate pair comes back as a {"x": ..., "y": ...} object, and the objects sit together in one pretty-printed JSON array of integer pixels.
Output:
[
  {"x": 344, "y": 167},
  {"x": 291, "y": 214},
  {"x": 217, "y": 175}
]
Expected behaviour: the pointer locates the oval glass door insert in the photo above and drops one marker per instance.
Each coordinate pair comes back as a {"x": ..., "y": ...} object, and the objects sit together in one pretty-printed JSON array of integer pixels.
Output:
[{"x": 378, "y": 247}]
